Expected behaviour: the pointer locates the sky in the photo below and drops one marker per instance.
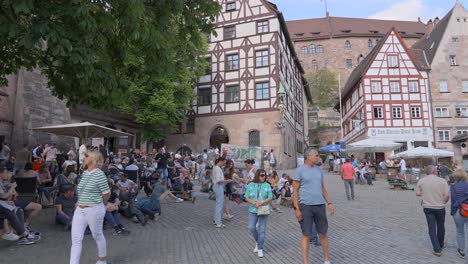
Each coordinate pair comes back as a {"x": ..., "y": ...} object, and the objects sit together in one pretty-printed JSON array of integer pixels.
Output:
[{"x": 381, "y": 9}]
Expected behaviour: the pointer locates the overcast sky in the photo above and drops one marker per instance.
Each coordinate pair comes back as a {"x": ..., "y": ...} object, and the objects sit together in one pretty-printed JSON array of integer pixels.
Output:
[{"x": 382, "y": 9}]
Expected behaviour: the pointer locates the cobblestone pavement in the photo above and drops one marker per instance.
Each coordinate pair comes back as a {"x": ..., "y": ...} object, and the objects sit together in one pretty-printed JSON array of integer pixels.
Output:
[{"x": 381, "y": 226}]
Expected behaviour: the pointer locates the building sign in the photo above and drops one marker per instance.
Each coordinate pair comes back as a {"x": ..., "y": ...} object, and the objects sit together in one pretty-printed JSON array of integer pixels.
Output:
[
  {"x": 241, "y": 153},
  {"x": 399, "y": 134}
]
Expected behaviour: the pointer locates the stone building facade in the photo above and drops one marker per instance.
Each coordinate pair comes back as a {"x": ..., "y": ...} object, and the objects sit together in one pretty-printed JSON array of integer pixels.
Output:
[
  {"x": 340, "y": 44},
  {"x": 446, "y": 50},
  {"x": 254, "y": 93},
  {"x": 28, "y": 103}
]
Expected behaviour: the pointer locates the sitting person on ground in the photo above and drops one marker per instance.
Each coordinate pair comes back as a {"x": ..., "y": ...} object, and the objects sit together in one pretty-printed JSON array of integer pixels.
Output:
[
  {"x": 12, "y": 218},
  {"x": 44, "y": 180},
  {"x": 187, "y": 191},
  {"x": 65, "y": 205},
  {"x": 153, "y": 179},
  {"x": 70, "y": 161},
  {"x": 286, "y": 195},
  {"x": 206, "y": 181},
  {"x": 66, "y": 180},
  {"x": 128, "y": 193},
  {"x": 151, "y": 207},
  {"x": 166, "y": 193},
  {"x": 112, "y": 215},
  {"x": 9, "y": 190},
  {"x": 126, "y": 186}
]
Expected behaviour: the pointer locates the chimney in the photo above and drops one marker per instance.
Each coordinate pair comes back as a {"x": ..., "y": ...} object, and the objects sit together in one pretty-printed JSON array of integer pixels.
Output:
[
  {"x": 419, "y": 19},
  {"x": 429, "y": 26},
  {"x": 328, "y": 14},
  {"x": 436, "y": 21}
]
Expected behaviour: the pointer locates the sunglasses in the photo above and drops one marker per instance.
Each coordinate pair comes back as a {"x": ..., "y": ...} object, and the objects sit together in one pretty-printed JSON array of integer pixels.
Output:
[{"x": 262, "y": 175}]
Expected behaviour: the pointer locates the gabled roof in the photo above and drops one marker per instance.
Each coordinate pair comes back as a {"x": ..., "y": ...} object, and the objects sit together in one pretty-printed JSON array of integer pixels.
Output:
[
  {"x": 430, "y": 42},
  {"x": 327, "y": 27},
  {"x": 361, "y": 69}
]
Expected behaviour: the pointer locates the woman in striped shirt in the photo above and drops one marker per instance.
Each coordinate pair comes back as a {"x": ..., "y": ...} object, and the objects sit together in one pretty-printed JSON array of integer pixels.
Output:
[{"x": 93, "y": 191}]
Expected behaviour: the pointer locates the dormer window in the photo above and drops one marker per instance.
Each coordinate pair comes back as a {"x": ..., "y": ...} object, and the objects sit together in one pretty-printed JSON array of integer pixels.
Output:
[
  {"x": 315, "y": 33},
  {"x": 402, "y": 32},
  {"x": 299, "y": 34},
  {"x": 231, "y": 6},
  {"x": 346, "y": 31},
  {"x": 374, "y": 31}
]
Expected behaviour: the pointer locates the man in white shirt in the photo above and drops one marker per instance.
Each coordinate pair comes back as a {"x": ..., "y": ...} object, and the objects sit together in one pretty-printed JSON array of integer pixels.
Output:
[
  {"x": 51, "y": 157},
  {"x": 218, "y": 188},
  {"x": 403, "y": 168}
]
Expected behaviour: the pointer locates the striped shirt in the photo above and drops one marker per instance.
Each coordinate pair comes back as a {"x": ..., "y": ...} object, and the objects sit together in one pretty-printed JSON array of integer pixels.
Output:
[{"x": 93, "y": 185}]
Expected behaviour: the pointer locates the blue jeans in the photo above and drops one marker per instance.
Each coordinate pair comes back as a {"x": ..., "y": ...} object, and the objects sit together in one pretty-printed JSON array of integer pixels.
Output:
[
  {"x": 163, "y": 173},
  {"x": 113, "y": 218},
  {"x": 314, "y": 236},
  {"x": 219, "y": 191},
  {"x": 462, "y": 231},
  {"x": 435, "y": 223},
  {"x": 62, "y": 220},
  {"x": 258, "y": 233}
]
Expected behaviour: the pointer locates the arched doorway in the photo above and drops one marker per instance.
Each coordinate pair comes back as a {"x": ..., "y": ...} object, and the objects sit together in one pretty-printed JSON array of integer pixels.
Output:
[{"x": 219, "y": 136}]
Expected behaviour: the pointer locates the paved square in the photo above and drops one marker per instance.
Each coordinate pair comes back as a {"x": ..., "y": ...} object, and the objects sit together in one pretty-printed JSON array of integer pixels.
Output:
[{"x": 381, "y": 226}]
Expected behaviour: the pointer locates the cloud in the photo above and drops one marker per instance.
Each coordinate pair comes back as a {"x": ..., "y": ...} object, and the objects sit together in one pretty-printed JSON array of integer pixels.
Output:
[{"x": 407, "y": 10}]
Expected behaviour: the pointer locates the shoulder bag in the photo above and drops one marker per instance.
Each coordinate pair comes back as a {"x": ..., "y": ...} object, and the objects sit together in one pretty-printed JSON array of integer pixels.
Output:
[
  {"x": 463, "y": 207},
  {"x": 263, "y": 209}
]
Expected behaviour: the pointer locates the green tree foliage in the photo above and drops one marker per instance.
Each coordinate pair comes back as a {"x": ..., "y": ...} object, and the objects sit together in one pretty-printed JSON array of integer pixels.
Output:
[
  {"x": 323, "y": 87},
  {"x": 141, "y": 57}
]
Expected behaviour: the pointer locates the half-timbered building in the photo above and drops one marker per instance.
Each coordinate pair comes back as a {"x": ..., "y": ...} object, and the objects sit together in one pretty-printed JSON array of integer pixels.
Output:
[
  {"x": 387, "y": 96},
  {"x": 254, "y": 93}
]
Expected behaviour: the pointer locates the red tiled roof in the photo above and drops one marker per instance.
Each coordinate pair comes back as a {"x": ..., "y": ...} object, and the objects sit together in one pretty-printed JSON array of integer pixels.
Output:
[{"x": 327, "y": 27}]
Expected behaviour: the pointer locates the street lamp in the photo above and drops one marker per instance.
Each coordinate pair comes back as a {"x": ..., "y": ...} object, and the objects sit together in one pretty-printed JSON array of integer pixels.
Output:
[{"x": 281, "y": 93}]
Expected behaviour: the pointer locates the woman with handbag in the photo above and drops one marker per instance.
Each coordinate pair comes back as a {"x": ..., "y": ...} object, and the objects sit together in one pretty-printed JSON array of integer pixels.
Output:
[
  {"x": 459, "y": 202},
  {"x": 259, "y": 195},
  {"x": 93, "y": 192}
]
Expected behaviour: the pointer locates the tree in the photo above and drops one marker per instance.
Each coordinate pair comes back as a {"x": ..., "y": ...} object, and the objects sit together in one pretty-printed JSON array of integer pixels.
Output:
[
  {"x": 323, "y": 87},
  {"x": 141, "y": 57}
]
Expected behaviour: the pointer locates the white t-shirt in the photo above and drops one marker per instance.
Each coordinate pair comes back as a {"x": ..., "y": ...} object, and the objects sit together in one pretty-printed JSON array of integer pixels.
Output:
[
  {"x": 402, "y": 165},
  {"x": 272, "y": 158},
  {"x": 127, "y": 184}
]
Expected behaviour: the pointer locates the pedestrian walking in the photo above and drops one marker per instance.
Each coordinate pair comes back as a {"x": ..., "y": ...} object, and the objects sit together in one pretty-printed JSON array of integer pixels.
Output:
[
  {"x": 93, "y": 192},
  {"x": 309, "y": 198},
  {"x": 259, "y": 195},
  {"x": 435, "y": 194},
  {"x": 459, "y": 194},
  {"x": 219, "y": 183},
  {"x": 347, "y": 175}
]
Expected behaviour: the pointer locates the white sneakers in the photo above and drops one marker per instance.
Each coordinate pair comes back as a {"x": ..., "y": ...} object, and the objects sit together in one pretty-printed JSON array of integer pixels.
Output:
[
  {"x": 10, "y": 237},
  {"x": 260, "y": 253},
  {"x": 327, "y": 262},
  {"x": 256, "y": 248},
  {"x": 179, "y": 200}
]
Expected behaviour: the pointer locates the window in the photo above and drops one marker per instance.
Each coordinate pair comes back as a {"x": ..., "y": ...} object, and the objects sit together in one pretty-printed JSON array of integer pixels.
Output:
[
  {"x": 190, "y": 125},
  {"x": 392, "y": 61},
  {"x": 369, "y": 44},
  {"x": 262, "y": 91},
  {"x": 230, "y": 32},
  {"x": 262, "y": 27},
  {"x": 443, "y": 88},
  {"x": 349, "y": 63},
  {"x": 305, "y": 50},
  {"x": 254, "y": 138},
  {"x": 413, "y": 86},
  {"x": 204, "y": 96},
  {"x": 319, "y": 49},
  {"x": 395, "y": 87},
  {"x": 232, "y": 62},
  {"x": 314, "y": 65},
  {"x": 231, "y": 6},
  {"x": 416, "y": 112},
  {"x": 441, "y": 112},
  {"x": 347, "y": 44},
  {"x": 376, "y": 87},
  {"x": 453, "y": 60},
  {"x": 455, "y": 39},
  {"x": 444, "y": 135},
  {"x": 231, "y": 95},
  {"x": 465, "y": 86},
  {"x": 261, "y": 58},
  {"x": 462, "y": 132},
  {"x": 396, "y": 112},
  {"x": 312, "y": 49},
  {"x": 462, "y": 111},
  {"x": 378, "y": 112},
  {"x": 208, "y": 66}
]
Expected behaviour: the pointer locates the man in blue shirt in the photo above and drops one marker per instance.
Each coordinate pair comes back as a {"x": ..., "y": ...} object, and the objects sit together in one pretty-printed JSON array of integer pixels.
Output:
[{"x": 309, "y": 198}]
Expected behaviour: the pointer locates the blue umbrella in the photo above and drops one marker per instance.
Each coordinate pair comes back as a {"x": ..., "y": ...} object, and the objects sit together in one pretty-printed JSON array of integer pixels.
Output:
[{"x": 332, "y": 148}]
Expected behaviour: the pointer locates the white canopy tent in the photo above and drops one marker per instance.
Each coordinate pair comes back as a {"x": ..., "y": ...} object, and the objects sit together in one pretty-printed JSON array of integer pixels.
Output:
[
  {"x": 372, "y": 145},
  {"x": 423, "y": 152},
  {"x": 84, "y": 130}
]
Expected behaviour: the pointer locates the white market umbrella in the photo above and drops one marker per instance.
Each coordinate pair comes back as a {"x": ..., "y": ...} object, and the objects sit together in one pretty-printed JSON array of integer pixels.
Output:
[
  {"x": 423, "y": 152},
  {"x": 82, "y": 130},
  {"x": 372, "y": 145}
]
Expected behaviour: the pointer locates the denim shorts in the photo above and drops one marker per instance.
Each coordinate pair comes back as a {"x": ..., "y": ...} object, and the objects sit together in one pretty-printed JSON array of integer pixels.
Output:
[{"x": 313, "y": 214}]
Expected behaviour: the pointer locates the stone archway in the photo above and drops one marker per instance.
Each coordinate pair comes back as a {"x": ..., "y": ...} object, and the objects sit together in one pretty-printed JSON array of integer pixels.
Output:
[{"x": 219, "y": 136}]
